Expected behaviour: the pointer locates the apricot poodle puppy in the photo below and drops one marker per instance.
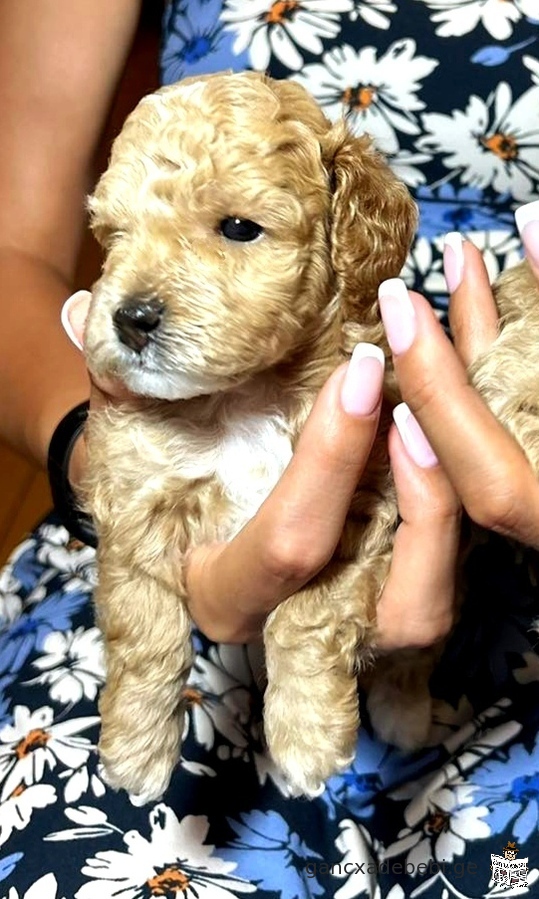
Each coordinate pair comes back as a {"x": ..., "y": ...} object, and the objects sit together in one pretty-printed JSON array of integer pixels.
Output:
[{"x": 245, "y": 239}]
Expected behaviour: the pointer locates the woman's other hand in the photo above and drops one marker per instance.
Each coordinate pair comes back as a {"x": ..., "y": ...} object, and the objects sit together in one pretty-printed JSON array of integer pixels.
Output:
[{"x": 488, "y": 470}]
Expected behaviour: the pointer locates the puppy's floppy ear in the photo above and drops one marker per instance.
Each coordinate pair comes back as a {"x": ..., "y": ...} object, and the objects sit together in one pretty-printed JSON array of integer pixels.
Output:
[{"x": 373, "y": 219}]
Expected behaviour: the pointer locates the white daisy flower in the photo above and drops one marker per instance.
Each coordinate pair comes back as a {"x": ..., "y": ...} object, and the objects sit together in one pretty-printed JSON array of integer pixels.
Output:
[
  {"x": 377, "y": 96},
  {"x": 439, "y": 821},
  {"x": 33, "y": 743},
  {"x": 420, "y": 262},
  {"x": 532, "y": 64},
  {"x": 72, "y": 664},
  {"x": 279, "y": 28},
  {"x": 79, "y": 782},
  {"x": 44, "y": 888},
  {"x": 359, "y": 864},
  {"x": 492, "y": 144},
  {"x": 10, "y": 608},
  {"x": 16, "y": 810},
  {"x": 405, "y": 166},
  {"x": 496, "y": 247},
  {"x": 459, "y": 17},
  {"x": 67, "y": 555},
  {"x": 373, "y": 12},
  {"x": 500, "y": 249},
  {"x": 174, "y": 859},
  {"x": 218, "y": 696}
]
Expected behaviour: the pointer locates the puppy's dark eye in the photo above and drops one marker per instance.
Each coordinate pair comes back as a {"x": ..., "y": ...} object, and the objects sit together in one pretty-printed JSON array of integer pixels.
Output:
[{"x": 243, "y": 230}]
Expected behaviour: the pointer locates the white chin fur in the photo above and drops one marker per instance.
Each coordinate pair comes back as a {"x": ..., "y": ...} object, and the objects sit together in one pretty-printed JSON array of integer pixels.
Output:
[{"x": 177, "y": 386}]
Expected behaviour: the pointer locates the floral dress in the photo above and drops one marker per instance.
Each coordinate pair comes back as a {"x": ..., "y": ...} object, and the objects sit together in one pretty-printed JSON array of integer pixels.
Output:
[{"x": 449, "y": 90}]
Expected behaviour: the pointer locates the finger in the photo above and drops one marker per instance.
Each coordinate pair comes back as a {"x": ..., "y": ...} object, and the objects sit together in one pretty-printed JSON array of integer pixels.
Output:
[
  {"x": 417, "y": 605},
  {"x": 485, "y": 465},
  {"x": 527, "y": 220},
  {"x": 317, "y": 487},
  {"x": 233, "y": 586},
  {"x": 473, "y": 315},
  {"x": 74, "y": 315}
]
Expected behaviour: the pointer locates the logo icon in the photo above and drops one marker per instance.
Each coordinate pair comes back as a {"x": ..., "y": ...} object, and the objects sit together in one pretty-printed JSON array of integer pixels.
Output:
[{"x": 508, "y": 871}]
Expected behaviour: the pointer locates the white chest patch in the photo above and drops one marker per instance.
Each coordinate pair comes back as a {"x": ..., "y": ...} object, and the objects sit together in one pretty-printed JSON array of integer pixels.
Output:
[{"x": 252, "y": 456}]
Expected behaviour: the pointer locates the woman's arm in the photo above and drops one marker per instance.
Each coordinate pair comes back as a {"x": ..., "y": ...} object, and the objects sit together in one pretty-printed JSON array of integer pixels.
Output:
[{"x": 60, "y": 62}]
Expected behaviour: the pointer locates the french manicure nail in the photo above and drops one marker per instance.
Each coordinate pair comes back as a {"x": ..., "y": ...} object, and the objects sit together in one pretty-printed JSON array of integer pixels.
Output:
[
  {"x": 453, "y": 260},
  {"x": 398, "y": 314},
  {"x": 362, "y": 386},
  {"x": 413, "y": 437},
  {"x": 67, "y": 308},
  {"x": 527, "y": 221}
]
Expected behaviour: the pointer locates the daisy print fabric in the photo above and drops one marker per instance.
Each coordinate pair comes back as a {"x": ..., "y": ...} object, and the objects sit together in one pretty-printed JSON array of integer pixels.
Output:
[
  {"x": 449, "y": 90},
  {"x": 393, "y": 826}
]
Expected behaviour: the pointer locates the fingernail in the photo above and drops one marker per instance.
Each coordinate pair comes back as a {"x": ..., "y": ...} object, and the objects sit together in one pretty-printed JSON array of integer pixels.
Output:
[
  {"x": 362, "y": 386},
  {"x": 67, "y": 311},
  {"x": 413, "y": 437},
  {"x": 398, "y": 314},
  {"x": 453, "y": 260},
  {"x": 527, "y": 220}
]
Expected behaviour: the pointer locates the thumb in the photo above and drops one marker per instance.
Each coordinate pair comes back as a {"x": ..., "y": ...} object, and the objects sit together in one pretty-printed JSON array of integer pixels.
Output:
[{"x": 74, "y": 314}]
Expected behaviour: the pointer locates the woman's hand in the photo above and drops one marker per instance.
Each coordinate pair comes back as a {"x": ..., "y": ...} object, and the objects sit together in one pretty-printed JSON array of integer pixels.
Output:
[
  {"x": 486, "y": 467},
  {"x": 233, "y": 586}
]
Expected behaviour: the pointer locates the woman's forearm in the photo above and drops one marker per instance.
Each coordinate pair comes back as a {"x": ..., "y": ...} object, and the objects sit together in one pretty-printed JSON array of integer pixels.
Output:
[{"x": 42, "y": 375}]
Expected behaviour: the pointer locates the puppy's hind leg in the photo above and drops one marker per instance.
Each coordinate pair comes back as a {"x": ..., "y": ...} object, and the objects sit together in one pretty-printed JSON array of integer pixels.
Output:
[
  {"x": 148, "y": 656},
  {"x": 399, "y": 702},
  {"x": 507, "y": 373}
]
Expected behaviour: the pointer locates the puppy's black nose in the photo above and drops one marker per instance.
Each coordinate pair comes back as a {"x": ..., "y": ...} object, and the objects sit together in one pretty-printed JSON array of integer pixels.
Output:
[{"x": 136, "y": 318}]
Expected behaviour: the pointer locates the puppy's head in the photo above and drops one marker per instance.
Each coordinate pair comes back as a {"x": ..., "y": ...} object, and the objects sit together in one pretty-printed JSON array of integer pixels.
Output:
[{"x": 237, "y": 225}]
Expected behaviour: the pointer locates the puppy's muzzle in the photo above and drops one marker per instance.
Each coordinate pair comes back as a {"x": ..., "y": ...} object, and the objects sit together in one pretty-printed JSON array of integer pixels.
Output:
[{"x": 136, "y": 319}]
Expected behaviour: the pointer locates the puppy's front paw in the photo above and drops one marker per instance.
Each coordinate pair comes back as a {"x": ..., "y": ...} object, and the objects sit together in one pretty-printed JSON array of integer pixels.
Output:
[
  {"x": 141, "y": 760},
  {"x": 311, "y": 741}
]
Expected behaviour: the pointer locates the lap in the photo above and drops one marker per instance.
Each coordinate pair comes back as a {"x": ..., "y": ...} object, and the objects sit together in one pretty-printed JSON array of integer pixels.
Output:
[{"x": 391, "y": 825}]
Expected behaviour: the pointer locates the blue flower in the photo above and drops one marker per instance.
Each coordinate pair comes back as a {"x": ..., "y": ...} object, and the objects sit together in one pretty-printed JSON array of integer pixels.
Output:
[
  {"x": 269, "y": 854},
  {"x": 496, "y": 55},
  {"x": 29, "y": 631},
  {"x": 376, "y": 769},
  {"x": 26, "y": 567},
  {"x": 510, "y": 789},
  {"x": 8, "y": 864},
  {"x": 196, "y": 42},
  {"x": 445, "y": 209}
]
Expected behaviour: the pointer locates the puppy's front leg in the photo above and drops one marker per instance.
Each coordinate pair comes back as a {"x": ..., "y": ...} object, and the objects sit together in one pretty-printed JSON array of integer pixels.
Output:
[
  {"x": 148, "y": 655},
  {"x": 316, "y": 642}
]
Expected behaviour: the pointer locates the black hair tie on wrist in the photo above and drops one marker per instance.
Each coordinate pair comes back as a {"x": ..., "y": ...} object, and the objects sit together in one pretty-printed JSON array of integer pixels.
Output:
[{"x": 77, "y": 522}]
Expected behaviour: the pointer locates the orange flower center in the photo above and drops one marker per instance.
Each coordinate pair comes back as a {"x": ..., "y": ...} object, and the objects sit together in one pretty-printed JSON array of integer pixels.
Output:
[
  {"x": 18, "y": 791},
  {"x": 192, "y": 696},
  {"x": 359, "y": 98},
  {"x": 280, "y": 11},
  {"x": 437, "y": 823},
  {"x": 502, "y": 145},
  {"x": 34, "y": 739},
  {"x": 169, "y": 883}
]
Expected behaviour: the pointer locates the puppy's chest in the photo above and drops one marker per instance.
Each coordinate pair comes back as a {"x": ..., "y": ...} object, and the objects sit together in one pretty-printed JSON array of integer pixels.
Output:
[{"x": 242, "y": 459}]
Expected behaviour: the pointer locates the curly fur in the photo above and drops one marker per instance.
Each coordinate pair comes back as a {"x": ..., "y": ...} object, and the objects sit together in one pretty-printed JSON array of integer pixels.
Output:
[{"x": 249, "y": 333}]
